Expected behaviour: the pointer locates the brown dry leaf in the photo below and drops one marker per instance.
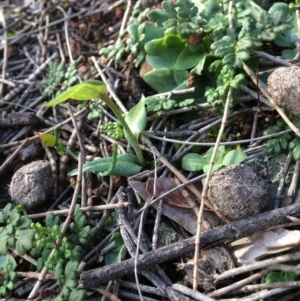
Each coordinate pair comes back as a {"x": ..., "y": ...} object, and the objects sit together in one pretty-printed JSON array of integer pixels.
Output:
[
  {"x": 251, "y": 248},
  {"x": 164, "y": 185},
  {"x": 175, "y": 206},
  {"x": 183, "y": 216}
]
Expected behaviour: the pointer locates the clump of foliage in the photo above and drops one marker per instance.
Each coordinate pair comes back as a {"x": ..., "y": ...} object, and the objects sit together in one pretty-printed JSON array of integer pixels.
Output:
[
  {"x": 283, "y": 142},
  {"x": 53, "y": 141},
  {"x": 134, "y": 44},
  {"x": 113, "y": 129},
  {"x": 198, "y": 40},
  {"x": 281, "y": 276},
  {"x": 133, "y": 123},
  {"x": 60, "y": 78},
  {"x": 195, "y": 162},
  {"x": 18, "y": 232}
]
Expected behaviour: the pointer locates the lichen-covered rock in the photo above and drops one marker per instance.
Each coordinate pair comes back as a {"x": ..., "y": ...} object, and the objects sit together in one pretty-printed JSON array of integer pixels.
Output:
[
  {"x": 284, "y": 87},
  {"x": 32, "y": 184},
  {"x": 237, "y": 192}
]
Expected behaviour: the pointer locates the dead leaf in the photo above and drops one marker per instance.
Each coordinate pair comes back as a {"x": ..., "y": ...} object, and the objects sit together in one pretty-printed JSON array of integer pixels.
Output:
[
  {"x": 251, "y": 248},
  {"x": 164, "y": 185},
  {"x": 185, "y": 217}
]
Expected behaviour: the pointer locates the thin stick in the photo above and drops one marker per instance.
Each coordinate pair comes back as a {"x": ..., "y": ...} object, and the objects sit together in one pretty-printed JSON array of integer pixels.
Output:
[
  {"x": 195, "y": 295},
  {"x": 13, "y": 156},
  {"x": 66, "y": 32},
  {"x": 84, "y": 209},
  {"x": 205, "y": 189},
  {"x": 5, "y": 51},
  {"x": 285, "y": 169},
  {"x": 293, "y": 186}
]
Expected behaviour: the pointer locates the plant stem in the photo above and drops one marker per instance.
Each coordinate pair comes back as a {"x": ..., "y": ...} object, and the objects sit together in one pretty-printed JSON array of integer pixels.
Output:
[{"x": 131, "y": 138}]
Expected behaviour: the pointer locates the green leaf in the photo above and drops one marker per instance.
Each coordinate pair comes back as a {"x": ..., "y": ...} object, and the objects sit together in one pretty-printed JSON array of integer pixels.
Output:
[
  {"x": 219, "y": 155},
  {"x": 126, "y": 165},
  {"x": 49, "y": 139},
  {"x": 216, "y": 167},
  {"x": 71, "y": 269},
  {"x": 20, "y": 248},
  {"x": 163, "y": 53},
  {"x": 115, "y": 255},
  {"x": 193, "y": 162},
  {"x": 163, "y": 79},
  {"x": 234, "y": 157},
  {"x": 52, "y": 220},
  {"x": 25, "y": 237},
  {"x": 4, "y": 259},
  {"x": 294, "y": 143},
  {"x": 25, "y": 223},
  {"x": 3, "y": 241},
  {"x": 71, "y": 283},
  {"x": 77, "y": 295},
  {"x": 187, "y": 59},
  {"x": 296, "y": 152},
  {"x": 59, "y": 269},
  {"x": 136, "y": 119},
  {"x": 113, "y": 163},
  {"x": 200, "y": 66},
  {"x": 90, "y": 89}
]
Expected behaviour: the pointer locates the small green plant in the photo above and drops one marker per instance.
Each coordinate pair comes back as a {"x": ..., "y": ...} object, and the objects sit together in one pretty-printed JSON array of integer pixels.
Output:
[
  {"x": 53, "y": 141},
  {"x": 38, "y": 240},
  {"x": 7, "y": 281},
  {"x": 113, "y": 129},
  {"x": 196, "y": 40},
  {"x": 195, "y": 162},
  {"x": 273, "y": 277},
  {"x": 134, "y": 122},
  {"x": 283, "y": 142},
  {"x": 117, "y": 252},
  {"x": 59, "y": 79}
]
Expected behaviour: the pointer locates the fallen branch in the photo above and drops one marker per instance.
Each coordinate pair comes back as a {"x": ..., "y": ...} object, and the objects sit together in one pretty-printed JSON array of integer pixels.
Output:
[{"x": 218, "y": 235}]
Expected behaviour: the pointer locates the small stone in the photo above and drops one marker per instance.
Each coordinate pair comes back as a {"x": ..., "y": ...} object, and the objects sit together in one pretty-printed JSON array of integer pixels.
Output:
[
  {"x": 284, "y": 87},
  {"x": 32, "y": 184},
  {"x": 237, "y": 192}
]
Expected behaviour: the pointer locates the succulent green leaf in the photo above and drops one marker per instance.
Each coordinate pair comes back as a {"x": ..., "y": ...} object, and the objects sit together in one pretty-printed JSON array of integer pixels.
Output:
[
  {"x": 164, "y": 80},
  {"x": 188, "y": 59},
  {"x": 163, "y": 53},
  {"x": 193, "y": 162},
  {"x": 90, "y": 89}
]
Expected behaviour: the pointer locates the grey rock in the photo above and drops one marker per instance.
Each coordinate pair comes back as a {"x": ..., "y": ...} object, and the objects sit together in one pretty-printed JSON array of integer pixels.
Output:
[
  {"x": 237, "y": 192},
  {"x": 32, "y": 184}
]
